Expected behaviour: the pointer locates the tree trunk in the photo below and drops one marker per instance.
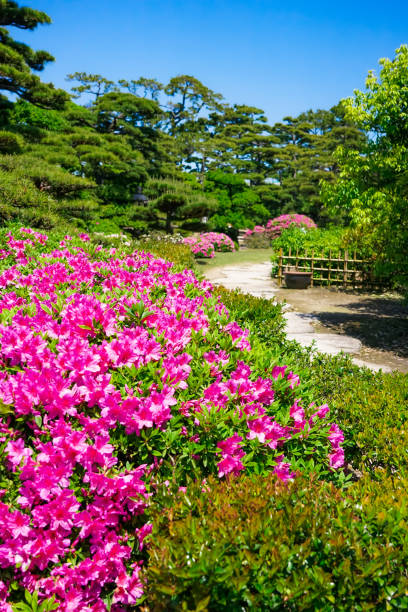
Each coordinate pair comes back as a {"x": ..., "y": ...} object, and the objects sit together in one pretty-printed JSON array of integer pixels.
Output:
[{"x": 169, "y": 228}]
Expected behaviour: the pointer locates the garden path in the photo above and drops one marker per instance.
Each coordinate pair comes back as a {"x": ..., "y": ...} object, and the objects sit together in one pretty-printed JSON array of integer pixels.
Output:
[{"x": 364, "y": 325}]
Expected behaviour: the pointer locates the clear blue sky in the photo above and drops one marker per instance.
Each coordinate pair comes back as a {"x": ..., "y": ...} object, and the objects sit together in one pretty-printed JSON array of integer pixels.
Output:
[{"x": 284, "y": 57}]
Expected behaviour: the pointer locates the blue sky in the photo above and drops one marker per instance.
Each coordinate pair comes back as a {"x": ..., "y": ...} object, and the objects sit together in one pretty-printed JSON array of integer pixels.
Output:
[{"x": 283, "y": 57}]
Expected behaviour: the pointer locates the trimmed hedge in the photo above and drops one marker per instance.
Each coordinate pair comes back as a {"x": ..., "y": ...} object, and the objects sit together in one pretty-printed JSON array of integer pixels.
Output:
[
  {"x": 262, "y": 316},
  {"x": 178, "y": 253},
  {"x": 258, "y": 544}
]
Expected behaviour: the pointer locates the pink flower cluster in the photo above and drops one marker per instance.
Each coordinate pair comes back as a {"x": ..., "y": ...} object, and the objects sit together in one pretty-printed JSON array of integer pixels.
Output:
[
  {"x": 97, "y": 352},
  {"x": 200, "y": 247},
  {"x": 275, "y": 227},
  {"x": 258, "y": 229},
  {"x": 222, "y": 243},
  {"x": 205, "y": 245}
]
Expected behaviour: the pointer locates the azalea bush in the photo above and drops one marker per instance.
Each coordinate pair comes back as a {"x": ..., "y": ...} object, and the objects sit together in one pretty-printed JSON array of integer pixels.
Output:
[
  {"x": 222, "y": 243},
  {"x": 276, "y": 226},
  {"x": 121, "y": 376},
  {"x": 263, "y": 236},
  {"x": 205, "y": 245},
  {"x": 200, "y": 247}
]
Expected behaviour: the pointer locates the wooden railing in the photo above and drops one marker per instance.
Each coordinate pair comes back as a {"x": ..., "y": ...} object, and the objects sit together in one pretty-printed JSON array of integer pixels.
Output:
[{"x": 340, "y": 268}]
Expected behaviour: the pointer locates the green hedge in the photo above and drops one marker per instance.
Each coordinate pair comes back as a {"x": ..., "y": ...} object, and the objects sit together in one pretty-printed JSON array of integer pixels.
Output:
[
  {"x": 255, "y": 544},
  {"x": 263, "y": 317},
  {"x": 179, "y": 254}
]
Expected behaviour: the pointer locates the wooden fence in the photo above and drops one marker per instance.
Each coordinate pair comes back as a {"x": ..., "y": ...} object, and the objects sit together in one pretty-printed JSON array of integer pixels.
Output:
[{"x": 336, "y": 269}]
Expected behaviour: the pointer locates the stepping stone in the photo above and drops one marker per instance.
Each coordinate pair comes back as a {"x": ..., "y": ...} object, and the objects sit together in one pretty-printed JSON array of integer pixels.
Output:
[
  {"x": 372, "y": 366},
  {"x": 328, "y": 343},
  {"x": 298, "y": 323}
]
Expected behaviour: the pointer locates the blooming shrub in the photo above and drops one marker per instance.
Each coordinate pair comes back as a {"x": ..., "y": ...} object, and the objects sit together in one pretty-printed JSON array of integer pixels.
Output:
[
  {"x": 222, "y": 243},
  {"x": 200, "y": 247},
  {"x": 118, "y": 376},
  {"x": 276, "y": 226},
  {"x": 260, "y": 235},
  {"x": 206, "y": 244}
]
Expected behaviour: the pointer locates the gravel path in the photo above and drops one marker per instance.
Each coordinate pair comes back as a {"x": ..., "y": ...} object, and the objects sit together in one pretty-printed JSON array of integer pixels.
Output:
[{"x": 310, "y": 314}]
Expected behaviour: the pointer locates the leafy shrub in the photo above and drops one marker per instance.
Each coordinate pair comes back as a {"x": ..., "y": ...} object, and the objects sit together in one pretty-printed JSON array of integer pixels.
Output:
[
  {"x": 258, "y": 544},
  {"x": 177, "y": 253},
  {"x": 258, "y": 238},
  {"x": 320, "y": 240},
  {"x": 10, "y": 142},
  {"x": 221, "y": 242},
  {"x": 200, "y": 246},
  {"x": 263, "y": 317},
  {"x": 120, "y": 374},
  {"x": 262, "y": 236},
  {"x": 374, "y": 414}
]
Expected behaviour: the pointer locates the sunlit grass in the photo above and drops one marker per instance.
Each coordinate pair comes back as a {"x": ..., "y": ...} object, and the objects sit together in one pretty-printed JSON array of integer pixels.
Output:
[{"x": 236, "y": 258}]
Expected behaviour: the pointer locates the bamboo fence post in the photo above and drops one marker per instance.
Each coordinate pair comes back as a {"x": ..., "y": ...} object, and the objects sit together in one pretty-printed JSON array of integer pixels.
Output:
[
  {"x": 345, "y": 269},
  {"x": 311, "y": 280},
  {"x": 297, "y": 261},
  {"x": 329, "y": 275},
  {"x": 280, "y": 268},
  {"x": 355, "y": 270}
]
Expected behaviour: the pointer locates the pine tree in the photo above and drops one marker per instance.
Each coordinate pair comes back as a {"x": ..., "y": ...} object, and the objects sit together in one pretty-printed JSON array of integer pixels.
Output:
[{"x": 18, "y": 60}]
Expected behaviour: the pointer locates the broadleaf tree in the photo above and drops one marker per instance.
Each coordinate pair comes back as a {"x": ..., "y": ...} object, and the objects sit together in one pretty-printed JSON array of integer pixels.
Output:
[{"x": 372, "y": 191}]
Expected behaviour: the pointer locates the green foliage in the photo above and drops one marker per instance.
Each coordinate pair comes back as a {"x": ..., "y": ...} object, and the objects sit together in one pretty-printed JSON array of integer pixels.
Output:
[
  {"x": 20, "y": 199},
  {"x": 372, "y": 189},
  {"x": 32, "y": 604},
  {"x": 17, "y": 60},
  {"x": 41, "y": 194},
  {"x": 23, "y": 114},
  {"x": 374, "y": 415},
  {"x": 179, "y": 254},
  {"x": 178, "y": 200},
  {"x": 262, "y": 316},
  {"x": 10, "y": 143},
  {"x": 321, "y": 240},
  {"x": 253, "y": 543},
  {"x": 238, "y": 205}
]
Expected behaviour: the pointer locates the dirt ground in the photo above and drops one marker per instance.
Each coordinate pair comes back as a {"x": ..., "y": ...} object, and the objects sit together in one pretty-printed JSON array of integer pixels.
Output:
[{"x": 380, "y": 321}]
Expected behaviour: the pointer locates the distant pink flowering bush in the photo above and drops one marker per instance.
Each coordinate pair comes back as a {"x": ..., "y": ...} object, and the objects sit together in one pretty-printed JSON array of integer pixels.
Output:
[
  {"x": 120, "y": 374},
  {"x": 262, "y": 236},
  {"x": 276, "y": 226},
  {"x": 200, "y": 247},
  {"x": 258, "y": 229},
  {"x": 206, "y": 244},
  {"x": 222, "y": 242}
]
